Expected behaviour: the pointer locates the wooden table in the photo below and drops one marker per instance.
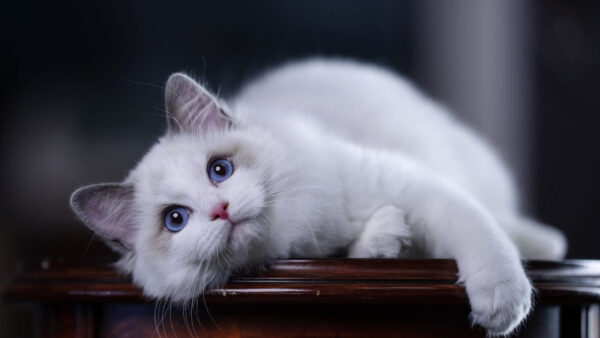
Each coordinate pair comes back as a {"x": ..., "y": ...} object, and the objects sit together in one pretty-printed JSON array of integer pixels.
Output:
[{"x": 306, "y": 298}]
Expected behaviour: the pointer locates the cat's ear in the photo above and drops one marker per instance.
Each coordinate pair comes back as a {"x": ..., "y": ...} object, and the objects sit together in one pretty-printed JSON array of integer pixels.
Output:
[
  {"x": 107, "y": 209},
  {"x": 191, "y": 108}
]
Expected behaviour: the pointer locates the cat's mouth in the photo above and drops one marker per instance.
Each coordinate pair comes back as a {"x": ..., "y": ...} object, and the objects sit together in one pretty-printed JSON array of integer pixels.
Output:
[
  {"x": 236, "y": 224},
  {"x": 239, "y": 222}
]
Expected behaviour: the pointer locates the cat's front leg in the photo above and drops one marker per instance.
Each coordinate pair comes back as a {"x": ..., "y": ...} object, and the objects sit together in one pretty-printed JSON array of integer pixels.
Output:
[
  {"x": 451, "y": 223},
  {"x": 454, "y": 225},
  {"x": 384, "y": 234}
]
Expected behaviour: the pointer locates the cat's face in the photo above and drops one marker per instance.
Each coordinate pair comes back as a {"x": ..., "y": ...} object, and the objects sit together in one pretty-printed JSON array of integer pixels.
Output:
[{"x": 196, "y": 207}]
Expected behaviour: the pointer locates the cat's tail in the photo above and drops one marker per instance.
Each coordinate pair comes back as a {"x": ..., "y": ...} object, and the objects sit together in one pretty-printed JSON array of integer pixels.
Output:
[{"x": 535, "y": 240}]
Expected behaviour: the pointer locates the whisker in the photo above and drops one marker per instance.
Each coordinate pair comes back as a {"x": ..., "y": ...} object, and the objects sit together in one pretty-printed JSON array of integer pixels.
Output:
[
  {"x": 171, "y": 319},
  {"x": 155, "y": 318}
]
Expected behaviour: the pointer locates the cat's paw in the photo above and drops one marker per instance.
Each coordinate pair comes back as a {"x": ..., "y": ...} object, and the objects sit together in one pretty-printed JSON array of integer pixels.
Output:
[
  {"x": 500, "y": 301},
  {"x": 384, "y": 235}
]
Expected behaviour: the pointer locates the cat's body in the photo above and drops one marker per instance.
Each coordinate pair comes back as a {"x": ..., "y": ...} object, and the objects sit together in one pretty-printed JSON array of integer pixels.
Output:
[
  {"x": 372, "y": 107},
  {"x": 311, "y": 158}
]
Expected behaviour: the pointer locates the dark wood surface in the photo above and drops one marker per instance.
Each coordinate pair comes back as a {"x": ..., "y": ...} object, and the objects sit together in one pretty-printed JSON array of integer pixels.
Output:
[
  {"x": 321, "y": 281},
  {"x": 299, "y": 298}
]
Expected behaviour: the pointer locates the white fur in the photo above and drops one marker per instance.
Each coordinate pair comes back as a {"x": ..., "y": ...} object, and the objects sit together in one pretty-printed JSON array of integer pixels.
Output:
[{"x": 334, "y": 154}]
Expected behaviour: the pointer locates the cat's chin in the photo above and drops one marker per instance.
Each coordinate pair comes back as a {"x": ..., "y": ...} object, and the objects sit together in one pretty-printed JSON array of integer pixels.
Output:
[{"x": 185, "y": 282}]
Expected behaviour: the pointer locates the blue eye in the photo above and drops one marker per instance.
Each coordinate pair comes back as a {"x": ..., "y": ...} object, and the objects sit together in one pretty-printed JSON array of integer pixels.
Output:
[
  {"x": 219, "y": 170},
  {"x": 176, "y": 218}
]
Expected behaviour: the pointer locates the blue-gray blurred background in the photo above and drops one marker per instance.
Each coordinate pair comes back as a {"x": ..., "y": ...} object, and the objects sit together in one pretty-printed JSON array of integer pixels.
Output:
[{"x": 81, "y": 93}]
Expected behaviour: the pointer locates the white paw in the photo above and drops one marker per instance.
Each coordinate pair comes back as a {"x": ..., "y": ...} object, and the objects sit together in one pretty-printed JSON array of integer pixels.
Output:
[
  {"x": 500, "y": 300},
  {"x": 384, "y": 235}
]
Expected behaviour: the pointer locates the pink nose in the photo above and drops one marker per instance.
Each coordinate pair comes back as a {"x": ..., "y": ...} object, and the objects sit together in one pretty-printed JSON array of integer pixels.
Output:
[{"x": 220, "y": 211}]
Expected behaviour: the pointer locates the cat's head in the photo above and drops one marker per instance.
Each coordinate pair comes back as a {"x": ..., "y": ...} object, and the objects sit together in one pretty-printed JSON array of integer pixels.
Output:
[{"x": 198, "y": 205}]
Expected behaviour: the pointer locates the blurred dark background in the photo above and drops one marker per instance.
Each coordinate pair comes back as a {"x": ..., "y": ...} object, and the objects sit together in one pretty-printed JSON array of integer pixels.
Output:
[{"x": 81, "y": 93}]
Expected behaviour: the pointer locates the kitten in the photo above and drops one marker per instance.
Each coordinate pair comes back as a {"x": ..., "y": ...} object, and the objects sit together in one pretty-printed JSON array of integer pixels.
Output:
[{"x": 310, "y": 158}]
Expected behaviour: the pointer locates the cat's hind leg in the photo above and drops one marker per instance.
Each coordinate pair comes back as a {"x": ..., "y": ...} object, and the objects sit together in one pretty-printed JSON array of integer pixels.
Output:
[{"x": 384, "y": 235}]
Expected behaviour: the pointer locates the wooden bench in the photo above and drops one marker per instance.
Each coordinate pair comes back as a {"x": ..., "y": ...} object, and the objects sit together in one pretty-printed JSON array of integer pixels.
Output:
[{"x": 306, "y": 298}]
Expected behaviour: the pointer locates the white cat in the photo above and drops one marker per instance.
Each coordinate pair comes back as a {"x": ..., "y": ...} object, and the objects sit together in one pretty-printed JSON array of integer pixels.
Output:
[{"x": 310, "y": 158}]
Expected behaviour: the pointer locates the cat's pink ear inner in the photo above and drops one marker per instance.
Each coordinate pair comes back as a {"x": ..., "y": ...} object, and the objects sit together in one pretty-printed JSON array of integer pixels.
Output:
[
  {"x": 107, "y": 209},
  {"x": 191, "y": 108}
]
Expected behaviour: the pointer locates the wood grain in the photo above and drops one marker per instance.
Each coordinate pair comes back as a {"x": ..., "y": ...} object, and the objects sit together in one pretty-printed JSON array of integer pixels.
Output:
[
  {"x": 326, "y": 281},
  {"x": 299, "y": 298}
]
